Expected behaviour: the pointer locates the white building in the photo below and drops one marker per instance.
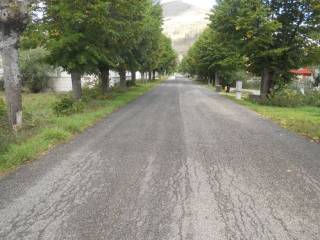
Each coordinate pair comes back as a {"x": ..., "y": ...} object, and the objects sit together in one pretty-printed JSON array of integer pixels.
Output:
[{"x": 60, "y": 81}]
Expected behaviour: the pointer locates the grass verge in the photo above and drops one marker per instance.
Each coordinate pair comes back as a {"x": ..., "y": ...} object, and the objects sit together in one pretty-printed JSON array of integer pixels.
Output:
[
  {"x": 43, "y": 129},
  {"x": 302, "y": 120}
]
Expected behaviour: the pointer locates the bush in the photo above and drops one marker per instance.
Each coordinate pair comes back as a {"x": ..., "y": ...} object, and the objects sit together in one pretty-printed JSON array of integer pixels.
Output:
[
  {"x": 312, "y": 98},
  {"x": 230, "y": 78},
  {"x": 286, "y": 98},
  {"x": 294, "y": 98},
  {"x": 68, "y": 106},
  {"x": 95, "y": 93},
  {"x": 91, "y": 93},
  {"x": 253, "y": 83},
  {"x": 34, "y": 70}
]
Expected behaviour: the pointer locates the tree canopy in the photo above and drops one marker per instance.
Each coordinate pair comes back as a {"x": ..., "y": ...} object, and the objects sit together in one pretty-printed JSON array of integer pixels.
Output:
[
  {"x": 270, "y": 37},
  {"x": 104, "y": 34},
  {"x": 92, "y": 37}
]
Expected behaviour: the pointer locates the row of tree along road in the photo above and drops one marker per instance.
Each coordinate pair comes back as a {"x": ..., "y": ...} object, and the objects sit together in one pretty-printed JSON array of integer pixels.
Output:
[
  {"x": 267, "y": 38},
  {"x": 83, "y": 37}
]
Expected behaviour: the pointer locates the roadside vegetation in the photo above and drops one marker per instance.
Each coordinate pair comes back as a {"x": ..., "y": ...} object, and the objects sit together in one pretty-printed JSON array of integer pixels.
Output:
[
  {"x": 81, "y": 38},
  {"x": 302, "y": 119},
  {"x": 254, "y": 38},
  {"x": 51, "y": 119},
  {"x": 262, "y": 43}
]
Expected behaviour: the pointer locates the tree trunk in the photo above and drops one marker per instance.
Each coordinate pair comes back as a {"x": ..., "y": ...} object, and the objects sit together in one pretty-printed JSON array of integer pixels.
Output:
[
  {"x": 123, "y": 80},
  {"x": 216, "y": 79},
  {"x": 266, "y": 82},
  {"x": 13, "y": 20},
  {"x": 154, "y": 75},
  {"x": 150, "y": 76},
  {"x": 142, "y": 77},
  {"x": 12, "y": 84},
  {"x": 105, "y": 81},
  {"x": 76, "y": 85},
  {"x": 133, "y": 78}
]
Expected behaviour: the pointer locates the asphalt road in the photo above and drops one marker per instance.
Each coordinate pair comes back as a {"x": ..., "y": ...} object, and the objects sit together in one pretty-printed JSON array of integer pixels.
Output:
[{"x": 181, "y": 162}]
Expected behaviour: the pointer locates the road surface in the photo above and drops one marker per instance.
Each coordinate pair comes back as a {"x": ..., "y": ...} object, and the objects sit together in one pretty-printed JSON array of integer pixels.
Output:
[{"x": 181, "y": 162}]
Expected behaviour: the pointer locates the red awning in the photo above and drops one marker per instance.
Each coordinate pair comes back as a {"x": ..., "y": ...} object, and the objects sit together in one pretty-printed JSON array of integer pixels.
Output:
[{"x": 302, "y": 71}]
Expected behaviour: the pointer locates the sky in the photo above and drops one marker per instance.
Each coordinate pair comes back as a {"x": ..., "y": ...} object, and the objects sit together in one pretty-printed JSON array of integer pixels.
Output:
[{"x": 206, "y": 4}]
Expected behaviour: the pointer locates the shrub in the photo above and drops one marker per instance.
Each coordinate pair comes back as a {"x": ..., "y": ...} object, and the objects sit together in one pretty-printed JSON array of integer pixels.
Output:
[
  {"x": 34, "y": 70},
  {"x": 67, "y": 106},
  {"x": 293, "y": 98},
  {"x": 286, "y": 98},
  {"x": 130, "y": 84},
  {"x": 95, "y": 93},
  {"x": 253, "y": 83},
  {"x": 230, "y": 78},
  {"x": 312, "y": 98},
  {"x": 91, "y": 93}
]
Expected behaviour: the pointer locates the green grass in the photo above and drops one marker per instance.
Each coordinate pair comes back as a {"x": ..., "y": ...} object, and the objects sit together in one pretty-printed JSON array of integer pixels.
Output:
[
  {"x": 302, "y": 120},
  {"x": 43, "y": 129}
]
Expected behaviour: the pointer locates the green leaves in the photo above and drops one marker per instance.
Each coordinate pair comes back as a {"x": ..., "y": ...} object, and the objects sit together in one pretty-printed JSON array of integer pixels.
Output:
[
  {"x": 210, "y": 55},
  {"x": 257, "y": 34},
  {"x": 75, "y": 29},
  {"x": 88, "y": 37},
  {"x": 167, "y": 58}
]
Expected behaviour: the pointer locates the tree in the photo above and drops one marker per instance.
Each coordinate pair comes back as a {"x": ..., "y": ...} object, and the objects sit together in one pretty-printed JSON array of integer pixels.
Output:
[
  {"x": 167, "y": 59},
  {"x": 149, "y": 48},
  {"x": 126, "y": 22},
  {"x": 74, "y": 31},
  {"x": 272, "y": 35},
  {"x": 211, "y": 58},
  {"x": 13, "y": 20}
]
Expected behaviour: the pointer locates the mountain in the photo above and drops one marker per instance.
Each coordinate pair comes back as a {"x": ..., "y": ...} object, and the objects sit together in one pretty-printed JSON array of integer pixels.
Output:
[
  {"x": 183, "y": 23},
  {"x": 173, "y": 8}
]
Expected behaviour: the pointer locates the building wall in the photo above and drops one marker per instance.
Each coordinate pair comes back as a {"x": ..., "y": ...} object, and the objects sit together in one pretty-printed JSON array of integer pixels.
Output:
[{"x": 60, "y": 81}]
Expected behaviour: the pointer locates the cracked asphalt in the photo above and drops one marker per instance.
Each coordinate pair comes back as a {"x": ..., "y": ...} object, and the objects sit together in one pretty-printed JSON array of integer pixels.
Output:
[{"x": 180, "y": 162}]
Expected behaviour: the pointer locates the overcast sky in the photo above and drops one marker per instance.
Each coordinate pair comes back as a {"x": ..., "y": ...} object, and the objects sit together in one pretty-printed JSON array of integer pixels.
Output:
[{"x": 206, "y": 4}]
